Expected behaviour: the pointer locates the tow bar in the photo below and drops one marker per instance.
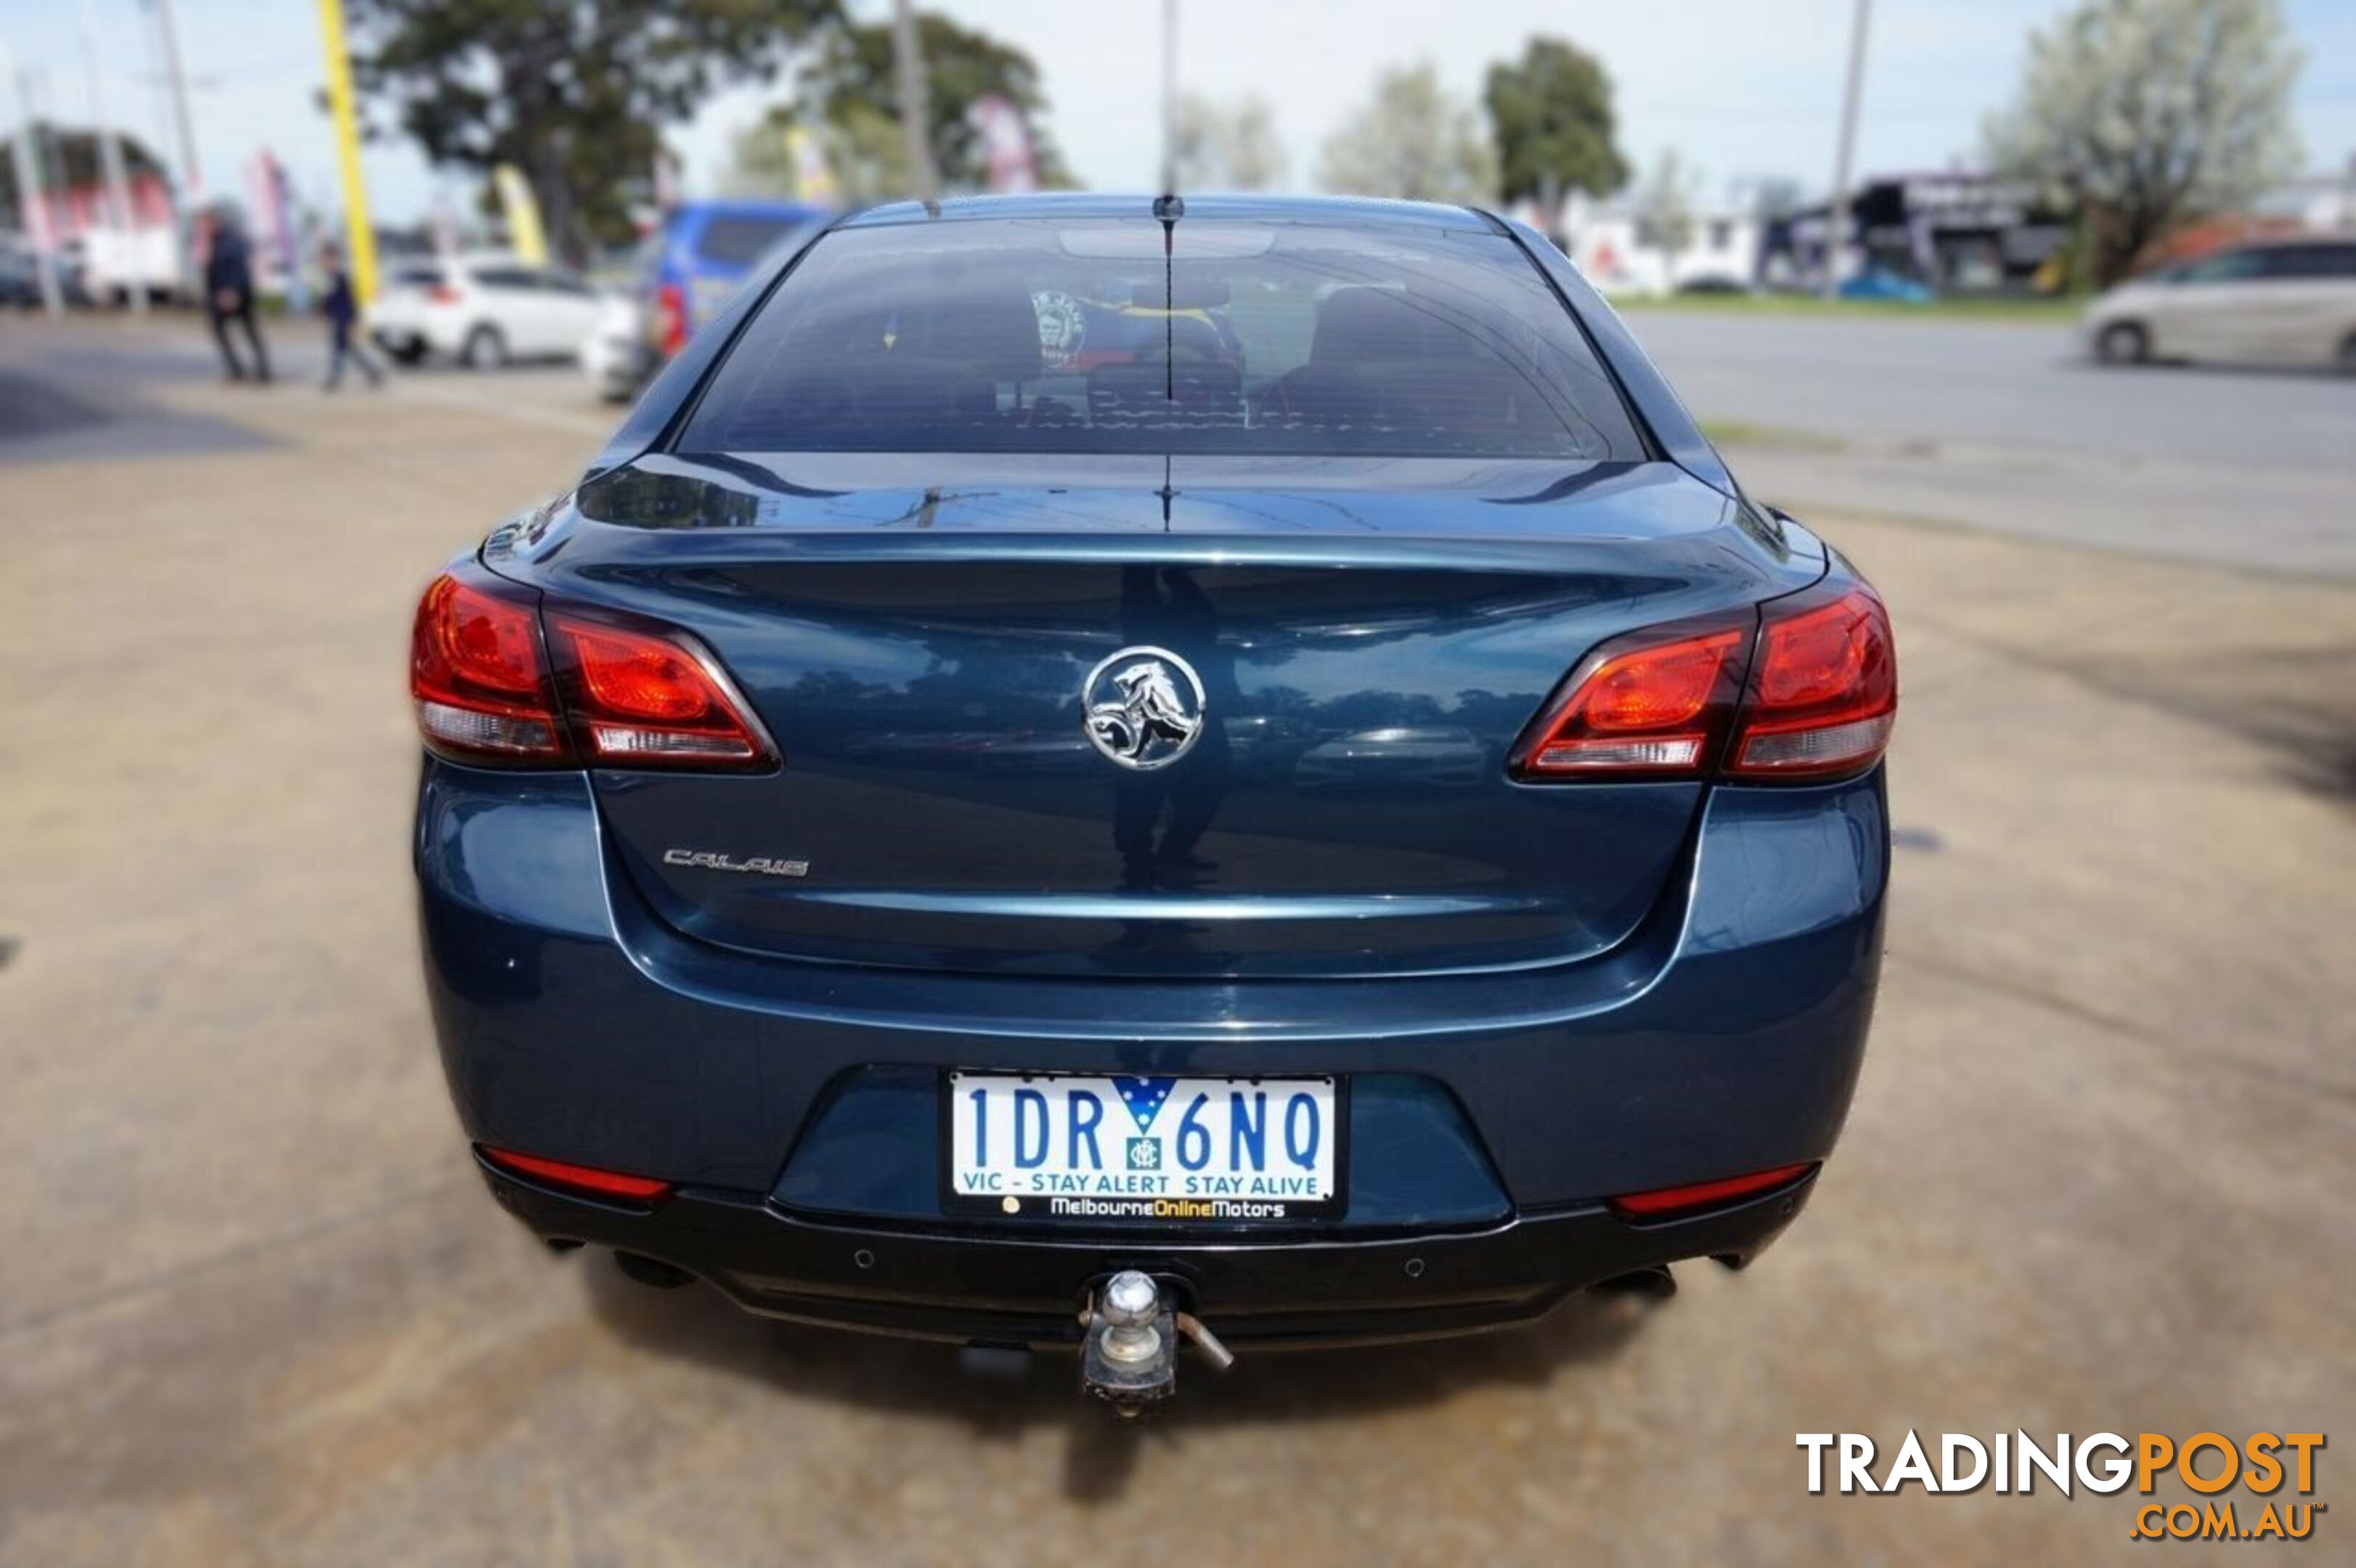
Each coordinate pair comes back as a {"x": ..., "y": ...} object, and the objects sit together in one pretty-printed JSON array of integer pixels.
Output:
[{"x": 1131, "y": 1357}]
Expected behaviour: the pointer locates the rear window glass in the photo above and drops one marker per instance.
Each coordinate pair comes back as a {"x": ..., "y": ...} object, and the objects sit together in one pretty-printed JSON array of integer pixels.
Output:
[
  {"x": 1025, "y": 335},
  {"x": 738, "y": 242}
]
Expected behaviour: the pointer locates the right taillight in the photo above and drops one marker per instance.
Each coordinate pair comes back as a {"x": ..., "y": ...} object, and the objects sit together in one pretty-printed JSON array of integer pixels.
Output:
[
  {"x": 671, "y": 319},
  {"x": 619, "y": 693},
  {"x": 1804, "y": 688},
  {"x": 1823, "y": 692}
]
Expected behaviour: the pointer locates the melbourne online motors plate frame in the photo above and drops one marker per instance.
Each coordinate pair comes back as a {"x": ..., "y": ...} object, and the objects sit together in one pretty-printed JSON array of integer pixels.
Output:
[{"x": 1141, "y": 1175}]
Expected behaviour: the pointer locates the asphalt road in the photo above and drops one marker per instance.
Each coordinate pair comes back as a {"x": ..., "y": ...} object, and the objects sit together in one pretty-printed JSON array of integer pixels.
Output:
[
  {"x": 256, "y": 1308},
  {"x": 2011, "y": 427}
]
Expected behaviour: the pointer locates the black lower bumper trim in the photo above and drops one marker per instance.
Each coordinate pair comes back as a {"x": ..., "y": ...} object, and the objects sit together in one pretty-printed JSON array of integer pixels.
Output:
[{"x": 964, "y": 1282}]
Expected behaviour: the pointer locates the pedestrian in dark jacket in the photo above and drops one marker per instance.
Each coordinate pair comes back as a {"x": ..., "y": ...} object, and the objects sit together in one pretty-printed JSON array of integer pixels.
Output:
[
  {"x": 228, "y": 297},
  {"x": 342, "y": 309}
]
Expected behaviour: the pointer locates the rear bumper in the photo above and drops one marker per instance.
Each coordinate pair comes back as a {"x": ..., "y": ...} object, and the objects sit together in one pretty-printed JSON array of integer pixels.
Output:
[
  {"x": 968, "y": 1284},
  {"x": 788, "y": 1101}
]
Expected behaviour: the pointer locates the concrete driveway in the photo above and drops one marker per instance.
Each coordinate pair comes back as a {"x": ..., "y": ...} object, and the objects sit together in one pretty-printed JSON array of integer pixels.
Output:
[{"x": 256, "y": 1307}]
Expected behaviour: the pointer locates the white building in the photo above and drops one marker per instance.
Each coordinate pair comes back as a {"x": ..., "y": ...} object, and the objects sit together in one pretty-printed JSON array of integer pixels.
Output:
[{"x": 1614, "y": 247}]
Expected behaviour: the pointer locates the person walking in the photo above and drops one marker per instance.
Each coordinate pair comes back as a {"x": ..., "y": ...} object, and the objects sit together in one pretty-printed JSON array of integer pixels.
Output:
[
  {"x": 342, "y": 309},
  {"x": 229, "y": 295}
]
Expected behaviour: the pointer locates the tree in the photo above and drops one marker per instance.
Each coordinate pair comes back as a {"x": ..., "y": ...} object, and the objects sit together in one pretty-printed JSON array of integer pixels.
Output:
[
  {"x": 1665, "y": 215},
  {"x": 1412, "y": 140},
  {"x": 2143, "y": 114},
  {"x": 851, "y": 85},
  {"x": 575, "y": 95},
  {"x": 1550, "y": 116},
  {"x": 1229, "y": 146}
]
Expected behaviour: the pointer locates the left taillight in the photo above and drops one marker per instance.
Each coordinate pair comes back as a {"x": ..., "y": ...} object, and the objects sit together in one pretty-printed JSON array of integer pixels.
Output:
[
  {"x": 492, "y": 687},
  {"x": 479, "y": 676}
]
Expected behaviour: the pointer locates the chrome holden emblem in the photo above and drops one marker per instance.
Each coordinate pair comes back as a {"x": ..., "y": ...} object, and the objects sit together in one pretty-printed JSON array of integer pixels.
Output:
[{"x": 1145, "y": 707}]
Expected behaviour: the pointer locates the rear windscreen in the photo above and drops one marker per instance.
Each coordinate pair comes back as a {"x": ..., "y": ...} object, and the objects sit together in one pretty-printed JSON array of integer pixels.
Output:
[
  {"x": 1244, "y": 338},
  {"x": 738, "y": 242}
]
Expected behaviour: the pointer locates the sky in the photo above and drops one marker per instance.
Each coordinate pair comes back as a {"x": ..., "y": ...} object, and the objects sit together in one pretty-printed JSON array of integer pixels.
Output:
[{"x": 1740, "y": 90}]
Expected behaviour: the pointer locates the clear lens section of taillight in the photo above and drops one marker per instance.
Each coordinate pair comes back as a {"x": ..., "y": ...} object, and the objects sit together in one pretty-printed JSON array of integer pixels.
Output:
[
  {"x": 1654, "y": 704},
  {"x": 1823, "y": 694},
  {"x": 645, "y": 699},
  {"x": 478, "y": 676}
]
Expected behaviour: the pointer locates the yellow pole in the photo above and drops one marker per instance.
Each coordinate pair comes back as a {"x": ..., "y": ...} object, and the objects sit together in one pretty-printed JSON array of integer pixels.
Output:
[{"x": 360, "y": 238}]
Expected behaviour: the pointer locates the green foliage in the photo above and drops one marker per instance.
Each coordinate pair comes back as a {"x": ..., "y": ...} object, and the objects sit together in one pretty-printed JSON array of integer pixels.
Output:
[
  {"x": 574, "y": 94},
  {"x": 1550, "y": 116},
  {"x": 2143, "y": 114},
  {"x": 1229, "y": 147},
  {"x": 1413, "y": 140},
  {"x": 856, "y": 93}
]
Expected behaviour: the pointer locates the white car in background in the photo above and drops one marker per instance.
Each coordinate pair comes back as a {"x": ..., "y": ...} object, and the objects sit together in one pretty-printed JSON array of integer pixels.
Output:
[
  {"x": 2284, "y": 302},
  {"x": 481, "y": 310},
  {"x": 616, "y": 356}
]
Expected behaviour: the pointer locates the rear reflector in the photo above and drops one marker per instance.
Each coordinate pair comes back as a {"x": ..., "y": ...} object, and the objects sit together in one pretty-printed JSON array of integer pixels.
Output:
[
  {"x": 579, "y": 1177},
  {"x": 1670, "y": 1202}
]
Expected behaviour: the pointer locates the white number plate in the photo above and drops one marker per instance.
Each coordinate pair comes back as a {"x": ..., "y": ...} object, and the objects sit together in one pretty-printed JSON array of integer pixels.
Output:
[{"x": 1116, "y": 1150}]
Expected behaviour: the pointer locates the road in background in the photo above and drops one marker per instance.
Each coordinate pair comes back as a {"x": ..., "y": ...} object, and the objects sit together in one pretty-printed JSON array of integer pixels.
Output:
[
  {"x": 2012, "y": 427},
  {"x": 258, "y": 1307}
]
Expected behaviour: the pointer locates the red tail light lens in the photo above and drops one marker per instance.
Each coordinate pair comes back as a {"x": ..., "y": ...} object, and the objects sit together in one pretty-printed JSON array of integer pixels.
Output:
[
  {"x": 632, "y": 696},
  {"x": 479, "y": 678},
  {"x": 642, "y": 699},
  {"x": 442, "y": 294},
  {"x": 1672, "y": 1202},
  {"x": 579, "y": 1177},
  {"x": 1814, "y": 699},
  {"x": 1655, "y": 704},
  {"x": 671, "y": 319},
  {"x": 1823, "y": 688}
]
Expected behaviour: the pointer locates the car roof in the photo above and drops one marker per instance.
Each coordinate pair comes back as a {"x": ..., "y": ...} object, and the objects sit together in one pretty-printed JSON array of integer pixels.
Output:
[
  {"x": 747, "y": 207},
  {"x": 1347, "y": 210}
]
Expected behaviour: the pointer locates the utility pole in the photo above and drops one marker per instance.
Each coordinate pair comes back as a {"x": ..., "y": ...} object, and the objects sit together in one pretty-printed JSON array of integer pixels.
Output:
[
  {"x": 126, "y": 223},
  {"x": 192, "y": 178},
  {"x": 915, "y": 117},
  {"x": 31, "y": 201},
  {"x": 1169, "y": 97},
  {"x": 1837, "y": 215}
]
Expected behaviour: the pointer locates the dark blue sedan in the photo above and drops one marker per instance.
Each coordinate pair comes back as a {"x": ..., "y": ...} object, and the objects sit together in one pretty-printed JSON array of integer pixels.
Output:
[{"x": 1326, "y": 814}]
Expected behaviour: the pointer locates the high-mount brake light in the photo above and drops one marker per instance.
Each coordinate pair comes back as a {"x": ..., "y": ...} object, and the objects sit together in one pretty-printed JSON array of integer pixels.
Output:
[
  {"x": 1653, "y": 704},
  {"x": 479, "y": 678},
  {"x": 1823, "y": 694},
  {"x": 642, "y": 699}
]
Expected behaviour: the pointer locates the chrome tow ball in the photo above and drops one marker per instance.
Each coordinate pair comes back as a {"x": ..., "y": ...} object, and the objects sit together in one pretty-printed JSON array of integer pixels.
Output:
[{"x": 1130, "y": 1359}]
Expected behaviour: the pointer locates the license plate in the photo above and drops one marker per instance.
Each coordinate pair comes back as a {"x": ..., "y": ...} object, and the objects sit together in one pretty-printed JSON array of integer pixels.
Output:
[{"x": 1116, "y": 1150}]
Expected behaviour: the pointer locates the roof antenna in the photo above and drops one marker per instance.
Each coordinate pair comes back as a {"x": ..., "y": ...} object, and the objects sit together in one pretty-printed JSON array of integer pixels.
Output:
[{"x": 1167, "y": 210}]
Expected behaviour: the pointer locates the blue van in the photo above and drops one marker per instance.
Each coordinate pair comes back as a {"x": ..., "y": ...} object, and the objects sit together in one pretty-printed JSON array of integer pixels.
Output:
[{"x": 703, "y": 254}]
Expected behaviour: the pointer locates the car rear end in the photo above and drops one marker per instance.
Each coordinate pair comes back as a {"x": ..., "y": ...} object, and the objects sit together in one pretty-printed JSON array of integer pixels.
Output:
[{"x": 1352, "y": 831}]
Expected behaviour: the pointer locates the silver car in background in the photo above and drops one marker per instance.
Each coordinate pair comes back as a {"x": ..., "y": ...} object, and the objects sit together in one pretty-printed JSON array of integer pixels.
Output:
[{"x": 2281, "y": 302}]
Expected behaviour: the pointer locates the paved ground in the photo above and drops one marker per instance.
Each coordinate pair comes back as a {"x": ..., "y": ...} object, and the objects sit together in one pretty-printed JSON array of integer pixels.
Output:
[
  {"x": 2011, "y": 427},
  {"x": 255, "y": 1310}
]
